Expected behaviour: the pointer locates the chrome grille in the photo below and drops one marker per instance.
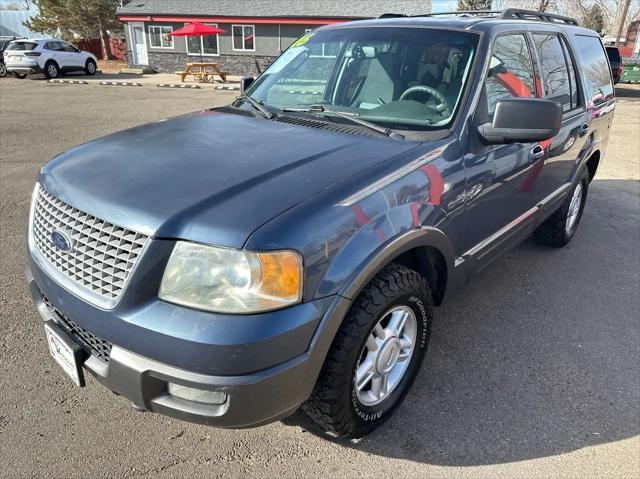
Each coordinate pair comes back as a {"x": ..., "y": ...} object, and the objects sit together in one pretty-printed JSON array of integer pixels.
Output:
[{"x": 103, "y": 255}]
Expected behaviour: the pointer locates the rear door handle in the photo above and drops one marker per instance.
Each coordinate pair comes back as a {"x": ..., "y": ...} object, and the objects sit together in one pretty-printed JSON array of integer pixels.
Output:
[
  {"x": 584, "y": 129},
  {"x": 536, "y": 153}
]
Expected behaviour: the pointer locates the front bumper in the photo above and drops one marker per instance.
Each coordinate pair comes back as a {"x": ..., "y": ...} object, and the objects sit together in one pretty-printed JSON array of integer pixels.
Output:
[{"x": 253, "y": 399}]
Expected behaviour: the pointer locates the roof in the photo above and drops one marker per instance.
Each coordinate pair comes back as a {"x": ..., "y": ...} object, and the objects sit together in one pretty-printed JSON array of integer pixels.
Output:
[
  {"x": 471, "y": 23},
  {"x": 11, "y": 23},
  {"x": 275, "y": 8}
]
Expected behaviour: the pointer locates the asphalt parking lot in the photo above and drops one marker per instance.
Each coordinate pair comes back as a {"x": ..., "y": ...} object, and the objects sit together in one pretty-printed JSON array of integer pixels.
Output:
[{"x": 533, "y": 370}]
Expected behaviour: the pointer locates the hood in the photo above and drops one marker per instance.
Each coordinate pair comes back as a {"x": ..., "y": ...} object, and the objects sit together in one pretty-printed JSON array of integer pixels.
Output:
[{"x": 209, "y": 177}]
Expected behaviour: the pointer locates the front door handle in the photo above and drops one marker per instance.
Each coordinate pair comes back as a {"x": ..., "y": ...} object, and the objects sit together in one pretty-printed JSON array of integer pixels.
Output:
[
  {"x": 584, "y": 129},
  {"x": 536, "y": 153}
]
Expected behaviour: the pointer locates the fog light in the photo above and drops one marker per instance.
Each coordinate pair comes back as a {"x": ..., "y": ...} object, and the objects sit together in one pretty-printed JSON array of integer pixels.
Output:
[{"x": 197, "y": 395}]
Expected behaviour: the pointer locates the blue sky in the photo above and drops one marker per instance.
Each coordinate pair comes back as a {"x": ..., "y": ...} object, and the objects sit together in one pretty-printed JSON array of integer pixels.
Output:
[
  {"x": 443, "y": 5},
  {"x": 438, "y": 5}
]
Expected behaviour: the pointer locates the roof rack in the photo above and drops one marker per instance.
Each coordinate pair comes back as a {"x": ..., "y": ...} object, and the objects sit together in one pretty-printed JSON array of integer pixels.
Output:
[
  {"x": 541, "y": 16},
  {"x": 513, "y": 13},
  {"x": 461, "y": 13}
]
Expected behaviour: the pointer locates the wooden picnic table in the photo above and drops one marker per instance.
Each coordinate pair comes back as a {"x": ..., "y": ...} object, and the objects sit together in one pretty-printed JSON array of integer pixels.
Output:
[{"x": 203, "y": 72}]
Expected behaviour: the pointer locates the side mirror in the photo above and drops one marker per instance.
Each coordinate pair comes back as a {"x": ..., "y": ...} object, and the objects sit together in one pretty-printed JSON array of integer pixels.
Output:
[
  {"x": 245, "y": 82},
  {"x": 522, "y": 120}
]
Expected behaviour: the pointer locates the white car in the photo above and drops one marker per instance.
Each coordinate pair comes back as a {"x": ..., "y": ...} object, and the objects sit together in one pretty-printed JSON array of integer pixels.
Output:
[{"x": 47, "y": 55}]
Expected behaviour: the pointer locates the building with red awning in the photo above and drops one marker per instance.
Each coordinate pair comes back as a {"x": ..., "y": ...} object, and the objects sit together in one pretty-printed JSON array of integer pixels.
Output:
[{"x": 255, "y": 31}]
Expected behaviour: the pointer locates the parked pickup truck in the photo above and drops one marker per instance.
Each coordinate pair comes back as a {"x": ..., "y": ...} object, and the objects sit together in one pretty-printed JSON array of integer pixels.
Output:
[{"x": 296, "y": 255}]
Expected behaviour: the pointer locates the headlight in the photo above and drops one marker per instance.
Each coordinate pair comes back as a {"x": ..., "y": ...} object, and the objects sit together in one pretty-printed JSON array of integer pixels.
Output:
[{"x": 231, "y": 281}]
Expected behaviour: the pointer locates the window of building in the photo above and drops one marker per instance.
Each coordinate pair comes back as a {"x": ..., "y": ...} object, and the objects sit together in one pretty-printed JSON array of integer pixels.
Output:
[
  {"x": 556, "y": 82},
  {"x": 243, "y": 37},
  {"x": 160, "y": 36},
  {"x": 596, "y": 64},
  {"x": 511, "y": 71},
  {"x": 205, "y": 44}
]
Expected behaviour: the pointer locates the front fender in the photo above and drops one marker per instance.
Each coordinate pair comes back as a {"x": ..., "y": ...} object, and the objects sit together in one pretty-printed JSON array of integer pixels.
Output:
[{"x": 363, "y": 270}]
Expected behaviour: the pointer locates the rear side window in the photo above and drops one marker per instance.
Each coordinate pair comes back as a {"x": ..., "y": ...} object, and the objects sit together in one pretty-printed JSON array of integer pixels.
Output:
[
  {"x": 556, "y": 80},
  {"x": 22, "y": 46},
  {"x": 511, "y": 71},
  {"x": 575, "y": 102},
  {"x": 596, "y": 66}
]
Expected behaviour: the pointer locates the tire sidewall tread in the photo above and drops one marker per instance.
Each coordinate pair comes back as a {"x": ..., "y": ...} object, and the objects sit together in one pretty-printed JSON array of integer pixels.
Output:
[
  {"x": 552, "y": 231},
  {"x": 333, "y": 404}
]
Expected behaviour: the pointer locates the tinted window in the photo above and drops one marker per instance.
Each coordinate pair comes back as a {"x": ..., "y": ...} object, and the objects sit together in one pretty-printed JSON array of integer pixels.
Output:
[
  {"x": 555, "y": 73},
  {"x": 599, "y": 86},
  {"x": 572, "y": 75},
  {"x": 510, "y": 72},
  {"x": 23, "y": 46}
]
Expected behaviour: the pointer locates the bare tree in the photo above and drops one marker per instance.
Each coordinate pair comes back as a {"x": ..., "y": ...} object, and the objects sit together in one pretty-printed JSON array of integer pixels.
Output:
[
  {"x": 28, "y": 4},
  {"x": 543, "y": 6}
]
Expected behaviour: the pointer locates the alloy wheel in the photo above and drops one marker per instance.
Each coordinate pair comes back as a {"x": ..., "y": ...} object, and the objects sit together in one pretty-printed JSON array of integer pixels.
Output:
[
  {"x": 386, "y": 355},
  {"x": 574, "y": 208}
]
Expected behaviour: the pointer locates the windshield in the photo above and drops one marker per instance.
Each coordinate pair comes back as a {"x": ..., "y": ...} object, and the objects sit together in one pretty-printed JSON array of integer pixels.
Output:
[{"x": 403, "y": 78}]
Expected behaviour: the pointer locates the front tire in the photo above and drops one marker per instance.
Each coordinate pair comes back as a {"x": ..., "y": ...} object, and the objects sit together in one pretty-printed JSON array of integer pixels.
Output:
[
  {"x": 90, "y": 68},
  {"x": 3, "y": 70},
  {"x": 561, "y": 226},
  {"x": 375, "y": 355},
  {"x": 51, "y": 70},
  {"x": 20, "y": 76}
]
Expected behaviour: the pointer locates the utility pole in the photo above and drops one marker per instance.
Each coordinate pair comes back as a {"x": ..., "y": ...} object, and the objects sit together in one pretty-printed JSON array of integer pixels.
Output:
[{"x": 621, "y": 19}]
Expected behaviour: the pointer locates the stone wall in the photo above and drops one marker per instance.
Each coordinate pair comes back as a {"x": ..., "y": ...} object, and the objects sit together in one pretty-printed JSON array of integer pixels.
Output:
[{"x": 169, "y": 62}]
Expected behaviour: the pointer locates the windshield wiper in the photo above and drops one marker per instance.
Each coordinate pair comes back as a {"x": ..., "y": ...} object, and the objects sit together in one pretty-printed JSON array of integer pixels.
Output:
[
  {"x": 257, "y": 104},
  {"x": 321, "y": 110}
]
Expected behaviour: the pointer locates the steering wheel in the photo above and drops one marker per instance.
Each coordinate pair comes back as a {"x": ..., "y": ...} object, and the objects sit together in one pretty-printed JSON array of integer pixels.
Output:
[{"x": 443, "y": 106}]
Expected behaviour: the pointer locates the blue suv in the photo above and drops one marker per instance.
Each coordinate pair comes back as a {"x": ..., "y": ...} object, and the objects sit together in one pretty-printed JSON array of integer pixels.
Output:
[{"x": 229, "y": 266}]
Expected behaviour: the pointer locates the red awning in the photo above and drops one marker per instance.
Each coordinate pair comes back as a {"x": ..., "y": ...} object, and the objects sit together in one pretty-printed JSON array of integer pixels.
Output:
[{"x": 197, "y": 29}]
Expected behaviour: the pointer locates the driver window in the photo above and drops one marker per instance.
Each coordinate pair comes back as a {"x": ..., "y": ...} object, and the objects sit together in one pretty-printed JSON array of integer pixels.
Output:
[
  {"x": 68, "y": 48},
  {"x": 511, "y": 71}
]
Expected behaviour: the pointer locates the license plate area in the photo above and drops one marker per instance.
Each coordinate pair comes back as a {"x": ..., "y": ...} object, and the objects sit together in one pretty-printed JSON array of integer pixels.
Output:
[{"x": 66, "y": 352}]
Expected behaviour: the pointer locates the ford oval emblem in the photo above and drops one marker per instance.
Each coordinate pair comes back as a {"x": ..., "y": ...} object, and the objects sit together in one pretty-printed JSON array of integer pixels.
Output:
[{"x": 62, "y": 240}]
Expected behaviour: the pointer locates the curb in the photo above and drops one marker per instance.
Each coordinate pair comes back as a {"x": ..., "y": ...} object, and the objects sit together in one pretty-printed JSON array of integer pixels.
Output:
[
  {"x": 120, "y": 83},
  {"x": 173, "y": 85},
  {"x": 72, "y": 82},
  {"x": 229, "y": 88}
]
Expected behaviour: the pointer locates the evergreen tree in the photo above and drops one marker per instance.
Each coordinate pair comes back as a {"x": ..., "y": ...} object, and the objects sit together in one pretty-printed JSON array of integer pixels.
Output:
[
  {"x": 85, "y": 18},
  {"x": 593, "y": 19},
  {"x": 474, "y": 5}
]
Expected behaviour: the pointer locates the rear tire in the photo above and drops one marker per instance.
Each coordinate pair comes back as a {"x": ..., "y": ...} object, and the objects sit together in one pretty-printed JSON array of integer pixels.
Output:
[
  {"x": 20, "y": 76},
  {"x": 351, "y": 396},
  {"x": 51, "y": 70},
  {"x": 561, "y": 226},
  {"x": 90, "y": 67}
]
